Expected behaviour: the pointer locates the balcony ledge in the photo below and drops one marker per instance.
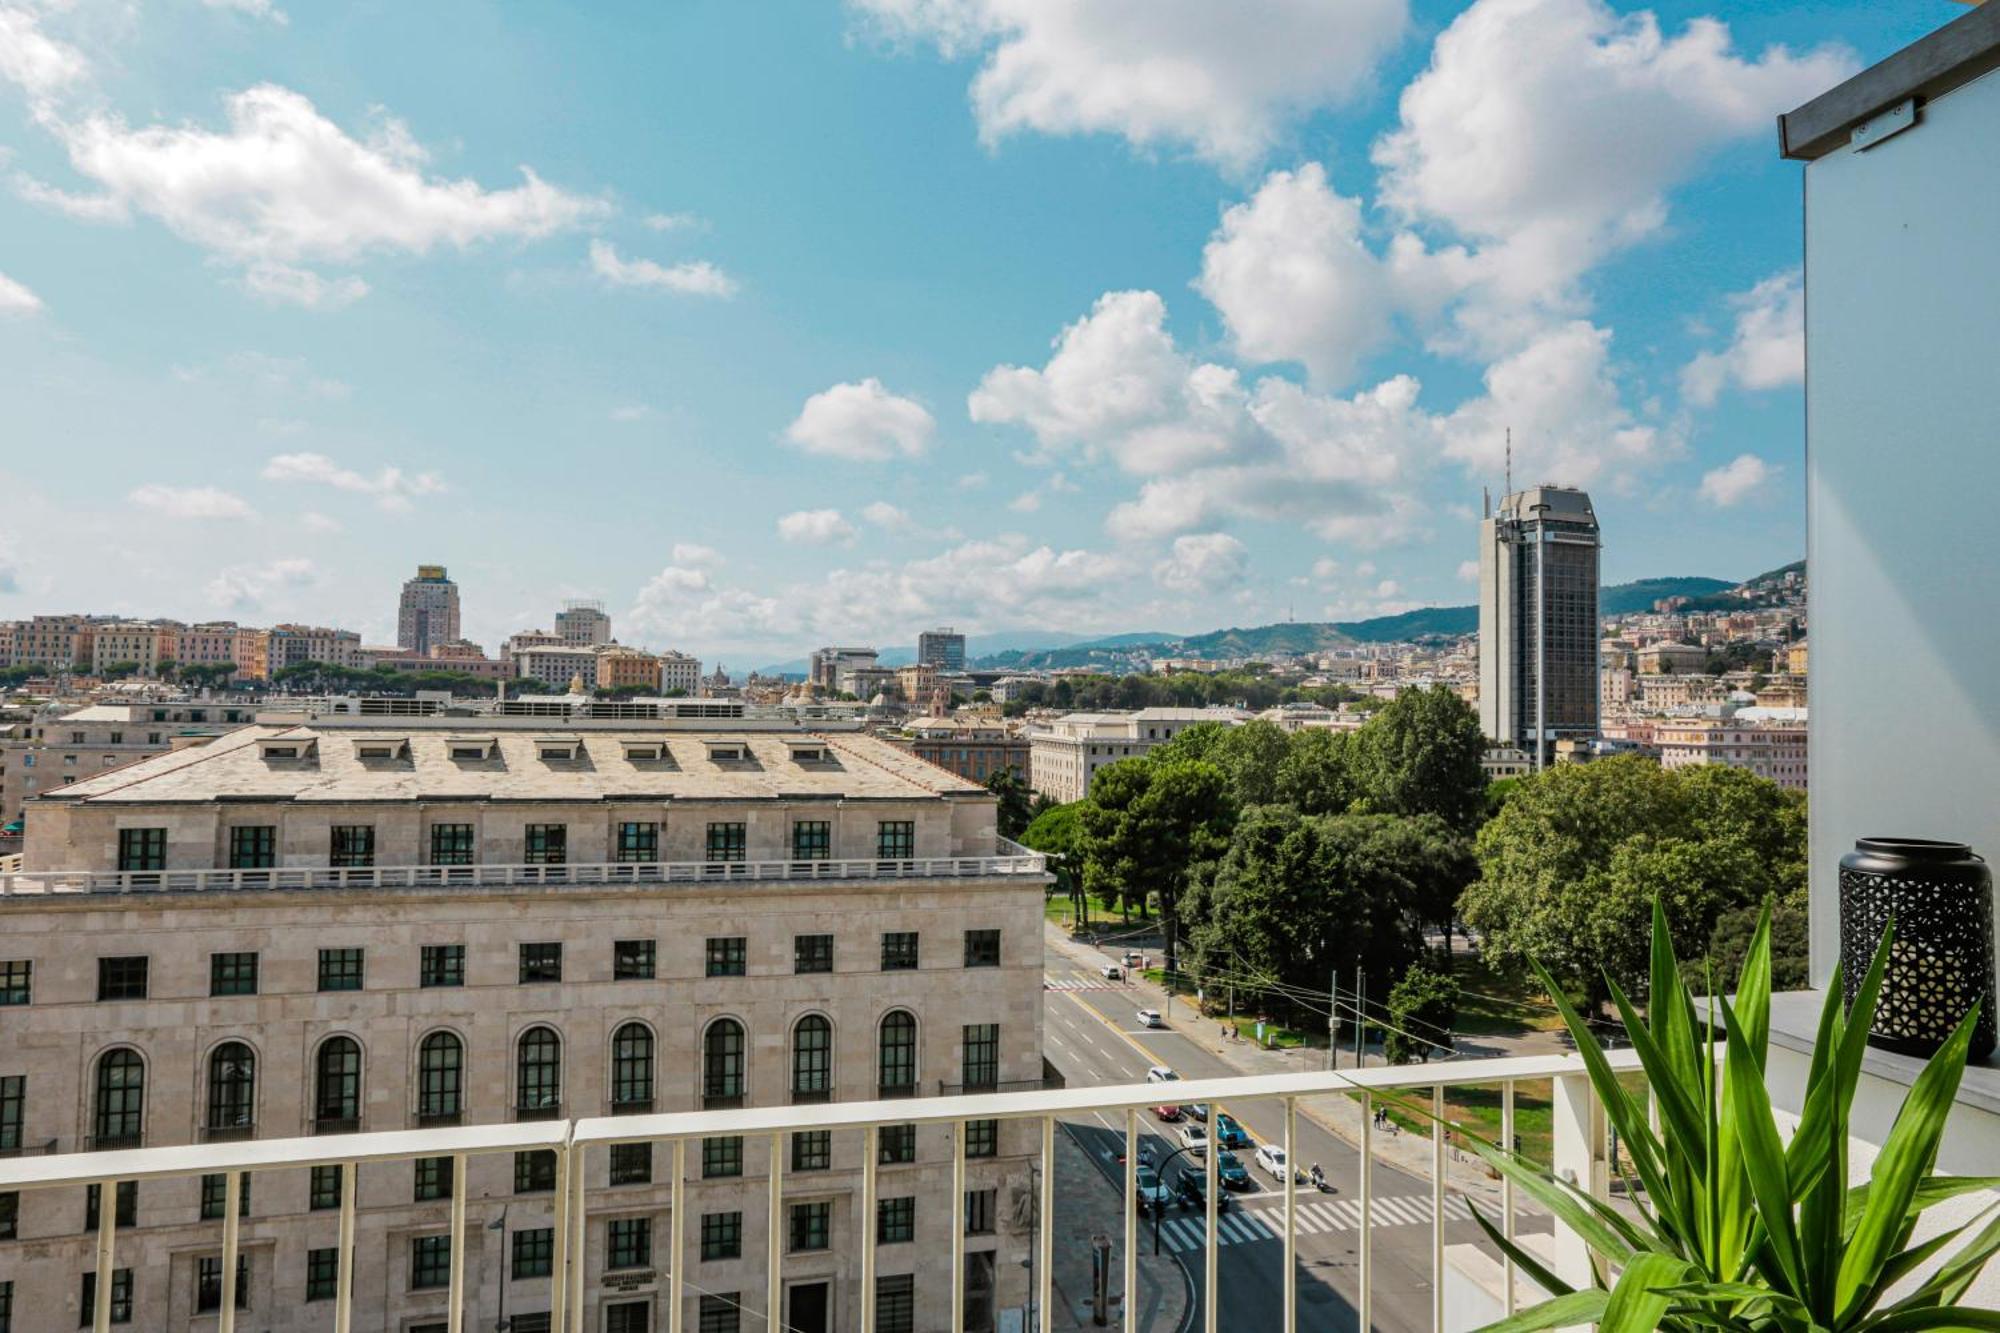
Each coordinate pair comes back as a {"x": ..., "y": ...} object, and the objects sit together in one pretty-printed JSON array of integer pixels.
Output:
[{"x": 1795, "y": 1024}]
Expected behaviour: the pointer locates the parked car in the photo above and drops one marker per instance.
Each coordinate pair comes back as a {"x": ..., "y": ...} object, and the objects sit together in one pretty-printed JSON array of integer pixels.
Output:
[
  {"x": 1192, "y": 1192},
  {"x": 1197, "y": 1111},
  {"x": 1111, "y": 972},
  {"x": 1195, "y": 1139},
  {"x": 1153, "y": 1192},
  {"x": 1230, "y": 1171},
  {"x": 1133, "y": 958},
  {"x": 1161, "y": 1074},
  {"x": 1230, "y": 1134},
  {"x": 1150, "y": 1018},
  {"x": 1170, "y": 1114},
  {"x": 1271, "y": 1160}
]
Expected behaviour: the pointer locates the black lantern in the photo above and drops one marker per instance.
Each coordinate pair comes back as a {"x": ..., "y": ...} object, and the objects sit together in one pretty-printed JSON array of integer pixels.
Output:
[{"x": 1941, "y": 963}]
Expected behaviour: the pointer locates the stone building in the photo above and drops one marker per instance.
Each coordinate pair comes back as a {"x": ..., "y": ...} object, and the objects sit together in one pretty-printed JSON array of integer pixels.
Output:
[
  {"x": 349, "y": 923},
  {"x": 1065, "y": 754},
  {"x": 58, "y": 749}
]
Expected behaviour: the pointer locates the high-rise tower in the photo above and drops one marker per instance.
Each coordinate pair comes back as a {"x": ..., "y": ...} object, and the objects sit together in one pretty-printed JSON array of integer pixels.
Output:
[
  {"x": 428, "y": 614},
  {"x": 942, "y": 648},
  {"x": 583, "y": 624},
  {"x": 1538, "y": 620}
]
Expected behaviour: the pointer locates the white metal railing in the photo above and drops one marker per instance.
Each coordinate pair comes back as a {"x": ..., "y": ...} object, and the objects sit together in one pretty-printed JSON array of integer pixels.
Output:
[
  {"x": 1009, "y": 860},
  {"x": 1579, "y": 1154}
]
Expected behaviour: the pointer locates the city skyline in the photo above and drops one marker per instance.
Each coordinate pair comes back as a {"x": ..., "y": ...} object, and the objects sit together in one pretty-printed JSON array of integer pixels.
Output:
[{"x": 649, "y": 324}]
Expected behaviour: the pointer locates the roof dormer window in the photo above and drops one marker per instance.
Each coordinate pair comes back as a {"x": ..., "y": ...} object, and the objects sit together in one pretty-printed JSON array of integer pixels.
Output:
[
  {"x": 559, "y": 749},
  {"x": 727, "y": 752},
  {"x": 471, "y": 748},
  {"x": 393, "y": 748},
  {"x": 289, "y": 747},
  {"x": 645, "y": 752}
]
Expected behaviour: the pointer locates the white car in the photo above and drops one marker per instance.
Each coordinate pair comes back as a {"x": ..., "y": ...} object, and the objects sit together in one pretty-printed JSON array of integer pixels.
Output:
[
  {"x": 1194, "y": 1138},
  {"x": 1161, "y": 1074},
  {"x": 1271, "y": 1160},
  {"x": 1150, "y": 1018},
  {"x": 1111, "y": 972}
]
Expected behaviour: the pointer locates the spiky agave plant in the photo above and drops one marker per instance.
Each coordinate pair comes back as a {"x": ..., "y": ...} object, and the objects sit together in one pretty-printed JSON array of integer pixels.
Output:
[{"x": 1737, "y": 1228}]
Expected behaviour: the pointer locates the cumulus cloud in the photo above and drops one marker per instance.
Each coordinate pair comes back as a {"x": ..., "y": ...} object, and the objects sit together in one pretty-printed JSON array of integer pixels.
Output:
[
  {"x": 1735, "y": 481},
  {"x": 631, "y": 412},
  {"x": 313, "y": 521},
  {"x": 257, "y": 9},
  {"x": 885, "y": 515},
  {"x": 1768, "y": 348},
  {"x": 244, "y": 587},
  {"x": 40, "y": 65},
  {"x": 284, "y": 284},
  {"x": 16, "y": 299},
  {"x": 815, "y": 527},
  {"x": 694, "y": 553},
  {"x": 1222, "y": 81},
  {"x": 391, "y": 488},
  {"x": 863, "y": 423},
  {"x": 1205, "y": 562},
  {"x": 196, "y": 502},
  {"x": 1468, "y": 571},
  {"x": 673, "y": 221},
  {"x": 695, "y": 277}
]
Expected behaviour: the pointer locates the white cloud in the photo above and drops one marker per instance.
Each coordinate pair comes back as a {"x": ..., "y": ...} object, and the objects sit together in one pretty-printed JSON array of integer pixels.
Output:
[
  {"x": 673, "y": 221},
  {"x": 284, "y": 185},
  {"x": 885, "y": 515},
  {"x": 313, "y": 521},
  {"x": 695, "y": 277},
  {"x": 1326, "y": 568},
  {"x": 815, "y": 527},
  {"x": 1206, "y": 562},
  {"x": 38, "y": 63},
  {"x": 1468, "y": 571},
  {"x": 1735, "y": 481},
  {"x": 284, "y": 284},
  {"x": 259, "y": 9},
  {"x": 863, "y": 423},
  {"x": 286, "y": 377},
  {"x": 391, "y": 488},
  {"x": 1768, "y": 349},
  {"x": 631, "y": 412},
  {"x": 16, "y": 299},
  {"x": 244, "y": 587},
  {"x": 972, "y": 481},
  {"x": 198, "y": 502},
  {"x": 1222, "y": 81},
  {"x": 694, "y": 553},
  {"x": 1290, "y": 275}
]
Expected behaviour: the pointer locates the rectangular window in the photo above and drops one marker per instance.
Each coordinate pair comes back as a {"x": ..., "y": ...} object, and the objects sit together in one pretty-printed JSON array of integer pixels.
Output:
[
  {"x": 632, "y": 960},
  {"x": 812, "y": 1226},
  {"x": 441, "y": 965},
  {"x": 253, "y": 847},
  {"x": 142, "y": 849},
  {"x": 979, "y": 1211},
  {"x": 897, "y": 1143},
  {"x": 324, "y": 1191},
  {"x": 979, "y": 1056},
  {"x": 430, "y": 1262},
  {"x": 121, "y": 978},
  {"x": 208, "y": 1284},
  {"x": 812, "y": 953},
  {"x": 17, "y": 982},
  {"x": 721, "y": 1236},
  {"x": 232, "y": 974},
  {"x": 982, "y": 948},
  {"x": 727, "y": 956},
  {"x": 546, "y": 844},
  {"x": 896, "y": 1304},
  {"x": 530, "y": 1323},
  {"x": 726, "y": 842},
  {"x": 215, "y": 1195},
  {"x": 631, "y": 1163},
  {"x": 541, "y": 962},
  {"x": 982, "y": 1138},
  {"x": 340, "y": 969},
  {"x": 432, "y": 1179},
  {"x": 899, "y": 951},
  {"x": 812, "y": 840},
  {"x": 128, "y": 1205},
  {"x": 721, "y": 1313},
  {"x": 812, "y": 1150},
  {"x": 638, "y": 842},
  {"x": 10, "y": 1222},
  {"x": 535, "y": 1171},
  {"x": 451, "y": 844},
  {"x": 722, "y": 1156},
  {"x": 896, "y": 840},
  {"x": 322, "y": 1273},
  {"x": 534, "y": 1253},
  {"x": 353, "y": 846},
  {"x": 628, "y": 1242},
  {"x": 121, "y": 1297},
  {"x": 895, "y": 1220},
  {"x": 13, "y": 1105}
]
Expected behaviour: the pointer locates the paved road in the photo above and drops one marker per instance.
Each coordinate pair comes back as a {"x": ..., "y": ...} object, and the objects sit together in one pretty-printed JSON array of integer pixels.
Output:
[{"x": 1092, "y": 1035}]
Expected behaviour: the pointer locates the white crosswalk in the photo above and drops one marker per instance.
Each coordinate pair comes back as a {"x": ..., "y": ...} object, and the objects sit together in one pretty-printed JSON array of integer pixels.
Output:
[
  {"x": 1315, "y": 1217},
  {"x": 1081, "y": 981}
]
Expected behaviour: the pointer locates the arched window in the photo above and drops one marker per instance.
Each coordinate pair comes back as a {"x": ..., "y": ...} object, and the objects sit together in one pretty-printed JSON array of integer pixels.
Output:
[
  {"x": 337, "y": 1084},
  {"x": 538, "y": 1074},
  {"x": 232, "y": 1087},
  {"x": 896, "y": 1059},
  {"x": 722, "y": 1064},
  {"x": 440, "y": 1079},
  {"x": 121, "y": 1098},
  {"x": 632, "y": 1068},
  {"x": 812, "y": 1059}
]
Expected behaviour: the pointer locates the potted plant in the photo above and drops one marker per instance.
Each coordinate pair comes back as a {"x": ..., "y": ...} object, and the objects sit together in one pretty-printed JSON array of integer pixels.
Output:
[{"x": 1733, "y": 1227}]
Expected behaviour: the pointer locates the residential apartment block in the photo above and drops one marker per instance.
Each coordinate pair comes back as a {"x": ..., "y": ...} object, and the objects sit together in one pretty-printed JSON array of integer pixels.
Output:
[
  {"x": 1065, "y": 754},
  {"x": 58, "y": 749},
  {"x": 1770, "y": 748},
  {"x": 974, "y": 749}
]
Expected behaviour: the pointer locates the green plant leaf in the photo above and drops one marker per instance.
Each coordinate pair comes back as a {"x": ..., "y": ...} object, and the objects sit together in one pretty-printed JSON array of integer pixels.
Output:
[
  {"x": 1957, "y": 1273},
  {"x": 1636, "y": 1302},
  {"x": 1950, "y": 1317},
  {"x": 1736, "y": 1292},
  {"x": 1523, "y": 1260},
  {"x": 1931, "y": 1191},
  {"x": 1748, "y": 1106},
  {"x": 1604, "y": 1231},
  {"x": 1578, "y": 1307}
]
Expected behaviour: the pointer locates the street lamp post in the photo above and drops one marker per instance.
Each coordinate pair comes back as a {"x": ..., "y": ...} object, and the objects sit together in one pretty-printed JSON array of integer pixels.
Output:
[{"x": 499, "y": 1224}]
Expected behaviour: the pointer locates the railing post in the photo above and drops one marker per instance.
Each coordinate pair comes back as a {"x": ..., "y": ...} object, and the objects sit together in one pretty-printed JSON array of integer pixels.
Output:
[
  {"x": 232, "y": 1199},
  {"x": 676, "y": 1279},
  {"x": 1211, "y": 1186},
  {"x": 579, "y": 1246},
  {"x": 957, "y": 1226},
  {"x": 1367, "y": 1241},
  {"x": 1507, "y": 1189},
  {"x": 1045, "y": 1234},
  {"x": 773, "y": 1277},
  {"x": 343, "y": 1269},
  {"x": 1578, "y": 1130},
  {"x": 559, "y": 1267},
  {"x": 1291, "y": 1218},
  {"x": 871, "y": 1147},
  {"x": 455, "y": 1318},
  {"x": 107, "y": 1223},
  {"x": 1131, "y": 1287},
  {"x": 1437, "y": 1207}
]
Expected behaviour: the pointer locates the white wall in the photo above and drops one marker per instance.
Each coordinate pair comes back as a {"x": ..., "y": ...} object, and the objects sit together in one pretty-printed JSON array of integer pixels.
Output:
[{"x": 1903, "y": 490}]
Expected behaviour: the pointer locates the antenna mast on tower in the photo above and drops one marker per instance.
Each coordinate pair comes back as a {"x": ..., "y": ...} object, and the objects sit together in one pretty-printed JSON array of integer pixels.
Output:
[{"x": 1510, "y": 461}]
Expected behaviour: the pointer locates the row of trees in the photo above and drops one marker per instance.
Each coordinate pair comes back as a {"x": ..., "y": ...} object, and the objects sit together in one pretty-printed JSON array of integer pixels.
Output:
[{"x": 1246, "y": 689}]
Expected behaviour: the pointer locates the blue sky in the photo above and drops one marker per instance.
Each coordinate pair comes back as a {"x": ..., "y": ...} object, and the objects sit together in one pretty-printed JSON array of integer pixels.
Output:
[{"x": 780, "y": 324}]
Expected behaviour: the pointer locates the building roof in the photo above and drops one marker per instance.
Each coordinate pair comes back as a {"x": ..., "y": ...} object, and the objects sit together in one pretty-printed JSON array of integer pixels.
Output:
[
  {"x": 235, "y": 767},
  {"x": 1929, "y": 67}
]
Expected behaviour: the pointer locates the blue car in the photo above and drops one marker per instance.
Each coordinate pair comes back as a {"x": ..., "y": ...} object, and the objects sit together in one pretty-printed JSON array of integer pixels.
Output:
[{"x": 1230, "y": 1134}]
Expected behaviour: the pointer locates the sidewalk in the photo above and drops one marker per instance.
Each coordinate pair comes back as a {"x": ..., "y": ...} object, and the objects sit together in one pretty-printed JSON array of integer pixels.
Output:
[
  {"x": 1336, "y": 1114},
  {"x": 1087, "y": 1203}
]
